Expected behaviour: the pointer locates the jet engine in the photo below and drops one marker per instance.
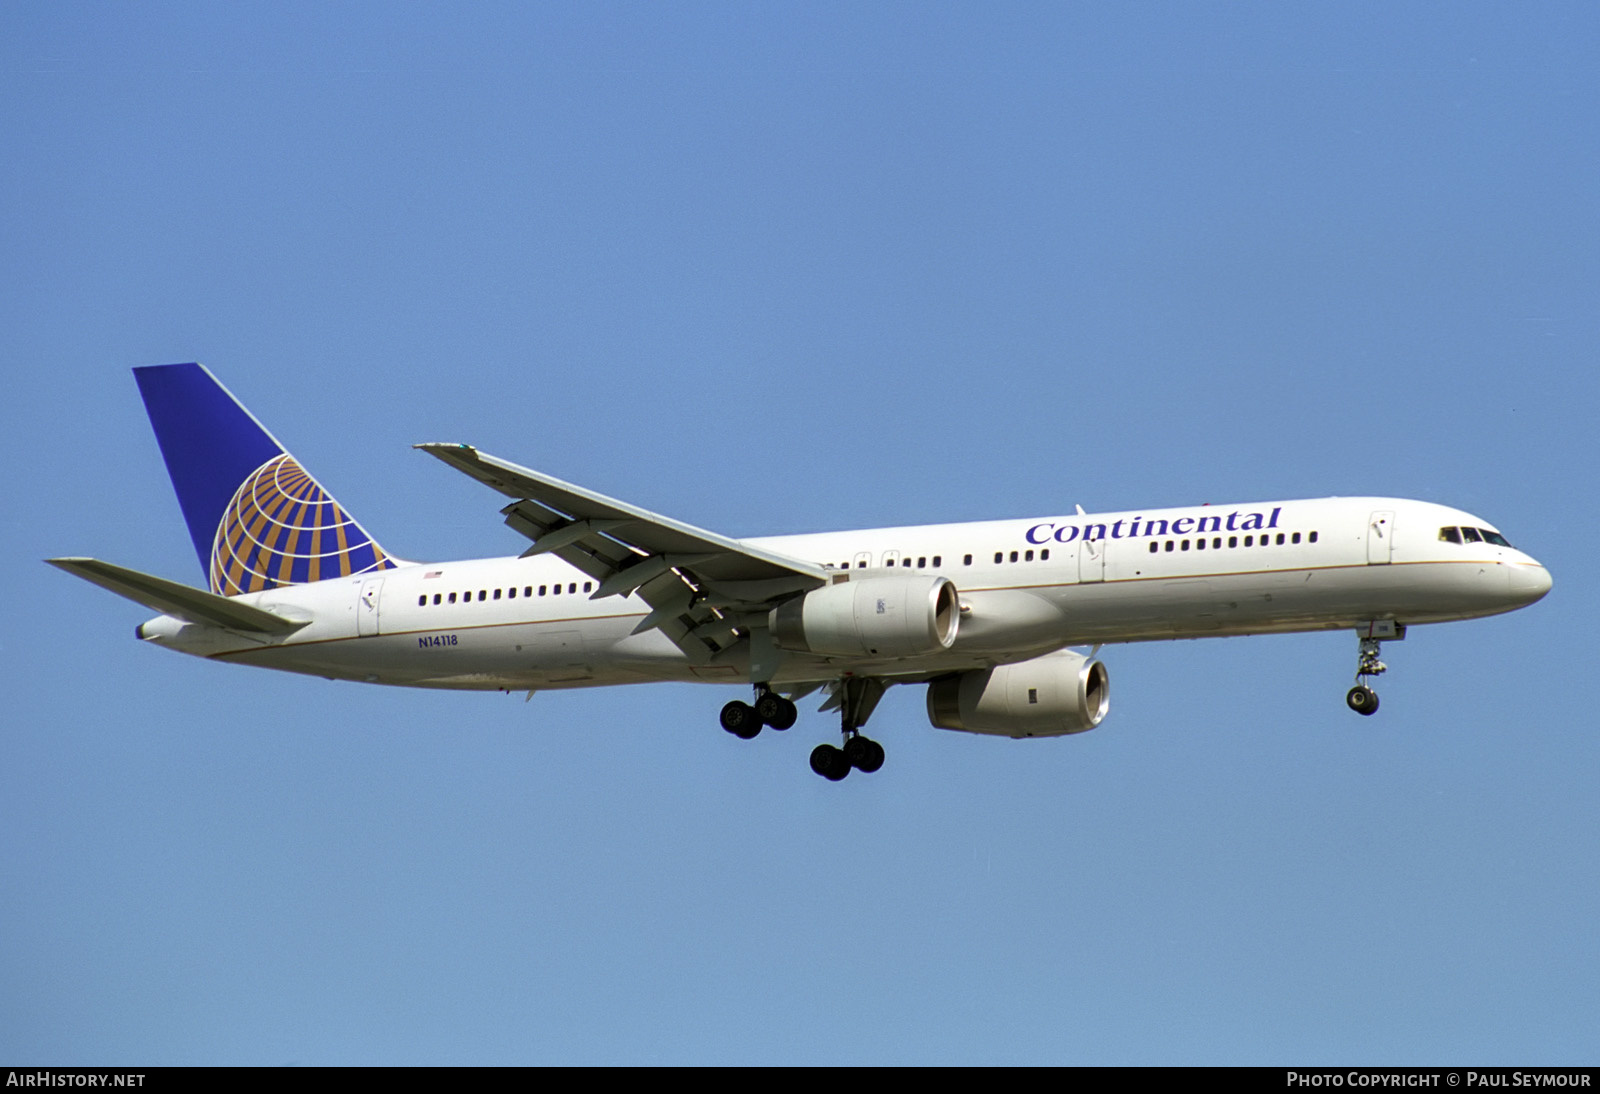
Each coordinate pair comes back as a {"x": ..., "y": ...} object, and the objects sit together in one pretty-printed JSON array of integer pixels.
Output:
[
  {"x": 884, "y": 616},
  {"x": 1059, "y": 693}
]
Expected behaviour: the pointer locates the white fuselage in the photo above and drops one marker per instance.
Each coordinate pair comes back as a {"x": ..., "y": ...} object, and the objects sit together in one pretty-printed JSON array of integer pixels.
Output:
[{"x": 1026, "y": 587}]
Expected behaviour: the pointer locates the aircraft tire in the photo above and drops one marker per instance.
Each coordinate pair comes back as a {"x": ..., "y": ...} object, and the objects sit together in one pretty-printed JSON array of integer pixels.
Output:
[
  {"x": 863, "y": 753},
  {"x": 741, "y": 720},
  {"x": 829, "y": 762},
  {"x": 1362, "y": 700},
  {"x": 776, "y": 711}
]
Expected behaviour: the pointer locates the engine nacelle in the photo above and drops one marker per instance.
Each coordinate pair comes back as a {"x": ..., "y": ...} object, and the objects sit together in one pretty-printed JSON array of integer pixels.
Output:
[
  {"x": 1061, "y": 692},
  {"x": 891, "y": 615}
]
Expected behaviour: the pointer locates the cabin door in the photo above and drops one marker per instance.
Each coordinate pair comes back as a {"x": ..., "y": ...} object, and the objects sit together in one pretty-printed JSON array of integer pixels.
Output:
[
  {"x": 1091, "y": 560},
  {"x": 367, "y": 607},
  {"x": 1380, "y": 537}
]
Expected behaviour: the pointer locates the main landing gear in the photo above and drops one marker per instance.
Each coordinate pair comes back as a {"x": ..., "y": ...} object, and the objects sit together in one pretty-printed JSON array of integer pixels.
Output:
[
  {"x": 858, "y": 752},
  {"x": 1361, "y": 698},
  {"x": 744, "y": 720},
  {"x": 856, "y": 697}
]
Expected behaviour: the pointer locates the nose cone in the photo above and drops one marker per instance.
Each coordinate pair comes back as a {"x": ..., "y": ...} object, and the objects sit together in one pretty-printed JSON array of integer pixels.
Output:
[{"x": 1528, "y": 582}]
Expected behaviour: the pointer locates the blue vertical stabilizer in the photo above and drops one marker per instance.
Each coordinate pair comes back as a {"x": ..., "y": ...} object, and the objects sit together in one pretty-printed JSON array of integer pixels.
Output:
[{"x": 258, "y": 520}]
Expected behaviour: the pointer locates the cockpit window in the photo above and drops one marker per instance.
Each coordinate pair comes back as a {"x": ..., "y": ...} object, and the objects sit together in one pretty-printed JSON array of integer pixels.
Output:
[{"x": 1472, "y": 535}]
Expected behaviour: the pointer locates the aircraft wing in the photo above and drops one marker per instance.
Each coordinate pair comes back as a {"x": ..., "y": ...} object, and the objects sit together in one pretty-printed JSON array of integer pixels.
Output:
[
  {"x": 176, "y": 599},
  {"x": 697, "y": 583}
]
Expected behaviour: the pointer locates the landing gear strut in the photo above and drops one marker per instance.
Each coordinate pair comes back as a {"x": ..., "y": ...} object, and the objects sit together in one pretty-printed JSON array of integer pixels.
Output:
[
  {"x": 856, "y": 697},
  {"x": 745, "y": 720},
  {"x": 1361, "y": 698}
]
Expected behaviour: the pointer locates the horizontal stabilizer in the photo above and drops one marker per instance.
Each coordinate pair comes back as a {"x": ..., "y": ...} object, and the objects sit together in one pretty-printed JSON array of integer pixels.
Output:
[{"x": 175, "y": 599}]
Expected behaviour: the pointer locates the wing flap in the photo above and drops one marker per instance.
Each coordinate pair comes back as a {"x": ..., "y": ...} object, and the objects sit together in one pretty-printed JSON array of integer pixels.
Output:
[
  {"x": 644, "y": 531},
  {"x": 695, "y": 582}
]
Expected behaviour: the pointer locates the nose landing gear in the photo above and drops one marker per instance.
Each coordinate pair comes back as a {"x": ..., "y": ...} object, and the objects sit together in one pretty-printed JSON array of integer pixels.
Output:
[{"x": 1361, "y": 698}]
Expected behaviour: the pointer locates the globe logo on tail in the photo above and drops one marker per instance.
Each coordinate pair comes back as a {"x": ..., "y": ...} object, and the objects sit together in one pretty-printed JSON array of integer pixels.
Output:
[{"x": 282, "y": 528}]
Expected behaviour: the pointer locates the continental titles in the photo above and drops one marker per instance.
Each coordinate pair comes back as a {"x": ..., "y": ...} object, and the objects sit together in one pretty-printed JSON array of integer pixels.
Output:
[{"x": 1140, "y": 528}]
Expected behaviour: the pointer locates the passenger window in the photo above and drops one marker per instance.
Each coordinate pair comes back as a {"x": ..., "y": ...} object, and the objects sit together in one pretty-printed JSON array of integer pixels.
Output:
[
  {"x": 1233, "y": 541},
  {"x": 966, "y": 560},
  {"x": 1295, "y": 538},
  {"x": 496, "y": 595},
  {"x": 999, "y": 558},
  {"x": 1169, "y": 545},
  {"x": 1028, "y": 557},
  {"x": 1184, "y": 546},
  {"x": 422, "y": 601},
  {"x": 483, "y": 594},
  {"x": 1471, "y": 535},
  {"x": 1280, "y": 539},
  {"x": 541, "y": 590},
  {"x": 452, "y": 598},
  {"x": 436, "y": 598},
  {"x": 1044, "y": 556},
  {"x": 922, "y": 562},
  {"x": 1199, "y": 545},
  {"x": 1013, "y": 556},
  {"x": 905, "y": 563},
  {"x": 1154, "y": 546},
  {"x": 512, "y": 592},
  {"x": 1249, "y": 541},
  {"x": 555, "y": 590},
  {"x": 587, "y": 585},
  {"x": 1312, "y": 537},
  {"x": 937, "y": 560},
  {"x": 573, "y": 587}
]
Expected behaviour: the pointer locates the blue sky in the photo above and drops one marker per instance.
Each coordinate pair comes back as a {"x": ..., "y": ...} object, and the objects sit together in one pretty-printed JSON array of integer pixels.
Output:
[{"x": 780, "y": 268}]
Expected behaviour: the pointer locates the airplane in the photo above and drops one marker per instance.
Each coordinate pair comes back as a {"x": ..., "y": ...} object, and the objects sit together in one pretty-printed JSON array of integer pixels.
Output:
[{"x": 985, "y": 614}]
